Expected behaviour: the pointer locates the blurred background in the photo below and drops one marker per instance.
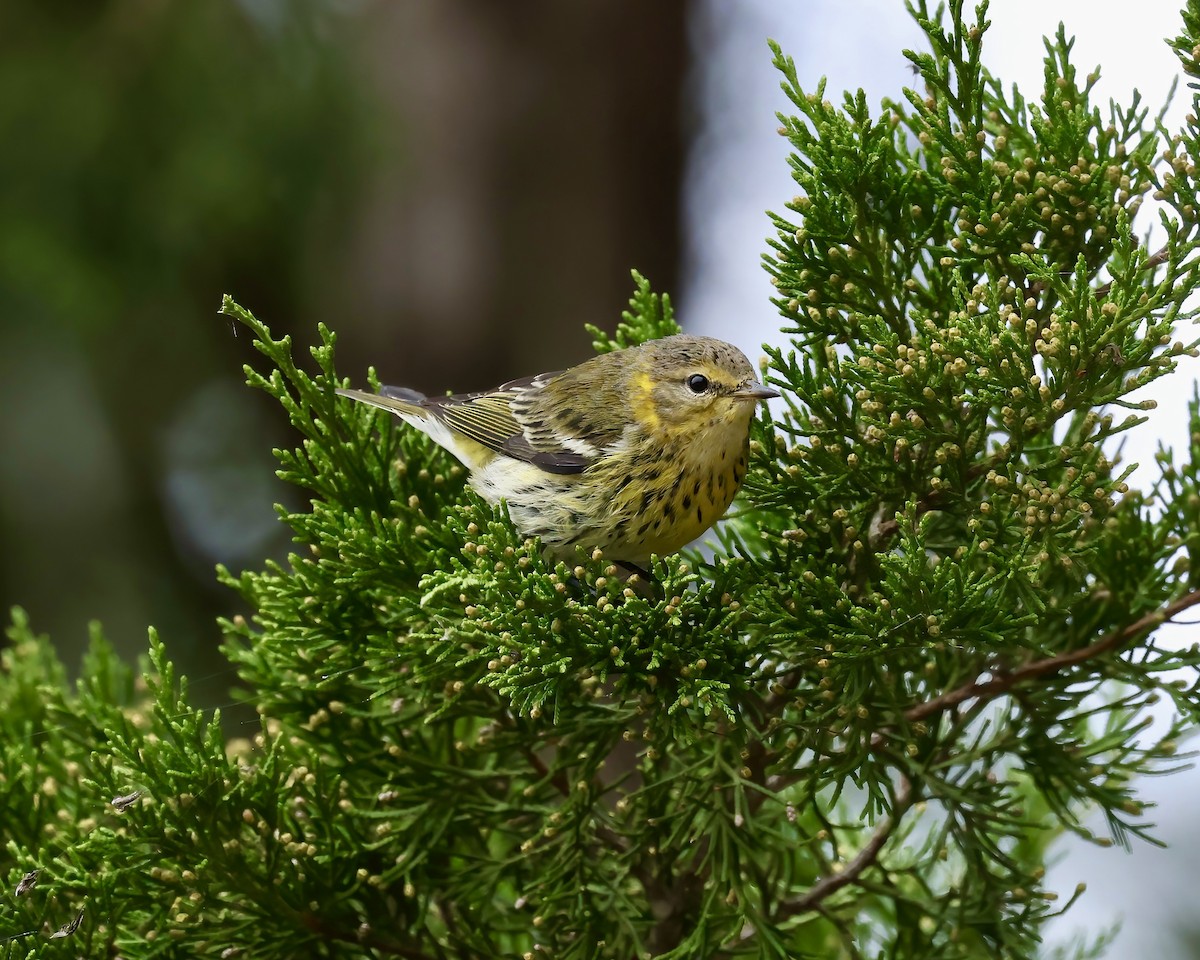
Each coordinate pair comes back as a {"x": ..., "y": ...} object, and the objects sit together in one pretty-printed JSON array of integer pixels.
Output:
[{"x": 456, "y": 188}]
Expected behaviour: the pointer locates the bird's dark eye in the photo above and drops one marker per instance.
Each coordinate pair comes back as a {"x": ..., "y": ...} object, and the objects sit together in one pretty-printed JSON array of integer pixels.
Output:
[{"x": 697, "y": 383}]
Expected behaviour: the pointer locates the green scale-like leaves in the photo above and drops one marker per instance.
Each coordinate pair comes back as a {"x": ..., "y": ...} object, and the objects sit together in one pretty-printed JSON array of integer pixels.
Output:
[{"x": 922, "y": 648}]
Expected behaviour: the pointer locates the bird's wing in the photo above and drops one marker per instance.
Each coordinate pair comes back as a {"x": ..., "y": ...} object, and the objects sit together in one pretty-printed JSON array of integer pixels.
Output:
[
  {"x": 499, "y": 420},
  {"x": 523, "y": 419},
  {"x": 587, "y": 427}
]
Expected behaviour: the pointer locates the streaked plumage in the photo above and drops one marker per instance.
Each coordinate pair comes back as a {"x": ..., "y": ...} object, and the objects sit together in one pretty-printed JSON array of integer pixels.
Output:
[{"x": 637, "y": 452}]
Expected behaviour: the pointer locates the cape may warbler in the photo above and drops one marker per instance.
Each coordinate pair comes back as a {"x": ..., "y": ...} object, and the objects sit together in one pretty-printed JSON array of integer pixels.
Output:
[{"x": 636, "y": 452}]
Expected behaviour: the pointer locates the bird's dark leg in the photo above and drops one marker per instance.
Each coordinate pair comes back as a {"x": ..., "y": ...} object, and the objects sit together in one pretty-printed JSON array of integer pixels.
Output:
[{"x": 633, "y": 568}]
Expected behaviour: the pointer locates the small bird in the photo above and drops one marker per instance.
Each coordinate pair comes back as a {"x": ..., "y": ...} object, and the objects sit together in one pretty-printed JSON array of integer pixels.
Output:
[{"x": 636, "y": 452}]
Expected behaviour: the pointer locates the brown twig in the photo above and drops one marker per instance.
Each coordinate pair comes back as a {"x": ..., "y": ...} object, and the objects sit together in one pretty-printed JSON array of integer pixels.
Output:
[
  {"x": 831, "y": 883},
  {"x": 999, "y": 685},
  {"x": 559, "y": 781},
  {"x": 1156, "y": 259},
  {"x": 976, "y": 690}
]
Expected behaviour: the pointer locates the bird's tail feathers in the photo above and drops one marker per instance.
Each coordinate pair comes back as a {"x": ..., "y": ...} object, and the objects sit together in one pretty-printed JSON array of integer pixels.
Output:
[
  {"x": 399, "y": 400},
  {"x": 403, "y": 393}
]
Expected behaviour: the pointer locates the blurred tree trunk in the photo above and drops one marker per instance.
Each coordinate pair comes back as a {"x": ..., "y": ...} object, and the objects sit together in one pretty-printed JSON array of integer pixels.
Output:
[
  {"x": 520, "y": 119},
  {"x": 406, "y": 171}
]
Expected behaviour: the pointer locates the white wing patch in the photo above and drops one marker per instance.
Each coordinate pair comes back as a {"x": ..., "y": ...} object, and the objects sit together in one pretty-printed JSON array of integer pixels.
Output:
[{"x": 581, "y": 447}]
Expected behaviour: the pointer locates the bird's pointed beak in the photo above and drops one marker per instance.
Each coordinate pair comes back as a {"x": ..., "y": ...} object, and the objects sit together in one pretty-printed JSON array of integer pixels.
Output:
[{"x": 753, "y": 390}]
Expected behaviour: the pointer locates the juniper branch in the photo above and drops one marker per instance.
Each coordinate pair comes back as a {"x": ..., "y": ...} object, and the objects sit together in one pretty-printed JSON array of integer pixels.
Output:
[
  {"x": 1156, "y": 259},
  {"x": 831, "y": 883},
  {"x": 1002, "y": 683}
]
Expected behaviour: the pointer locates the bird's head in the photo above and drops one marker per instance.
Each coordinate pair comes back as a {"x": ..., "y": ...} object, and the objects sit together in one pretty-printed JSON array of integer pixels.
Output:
[{"x": 685, "y": 384}]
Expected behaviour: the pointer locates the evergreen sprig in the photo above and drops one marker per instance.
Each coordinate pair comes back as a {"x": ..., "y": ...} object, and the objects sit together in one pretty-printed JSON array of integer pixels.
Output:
[{"x": 923, "y": 648}]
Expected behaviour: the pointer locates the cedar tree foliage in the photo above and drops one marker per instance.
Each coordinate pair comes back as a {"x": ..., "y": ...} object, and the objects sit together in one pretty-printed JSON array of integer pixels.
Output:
[{"x": 923, "y": 648}]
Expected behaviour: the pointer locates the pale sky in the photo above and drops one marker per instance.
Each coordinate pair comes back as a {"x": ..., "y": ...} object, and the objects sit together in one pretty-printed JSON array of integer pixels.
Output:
[{"x": 740, "y": 170}]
